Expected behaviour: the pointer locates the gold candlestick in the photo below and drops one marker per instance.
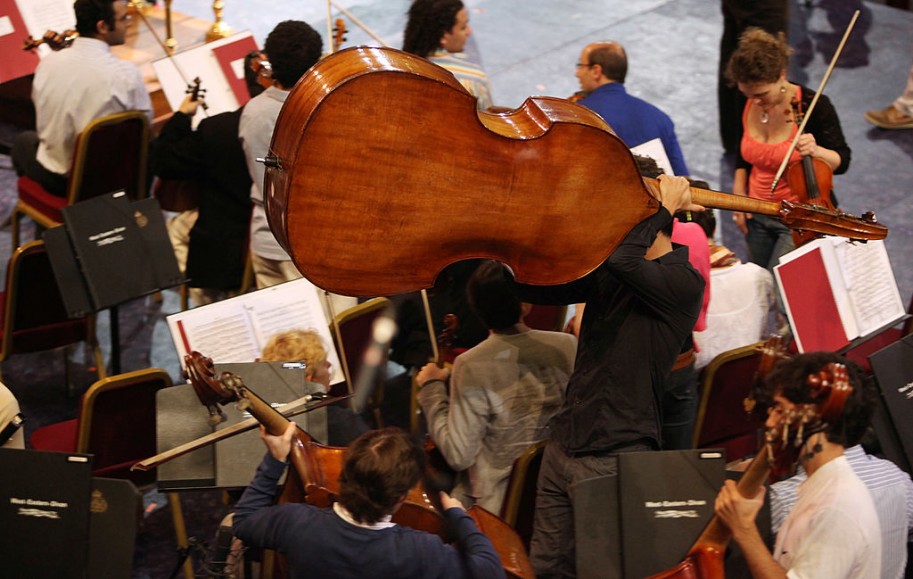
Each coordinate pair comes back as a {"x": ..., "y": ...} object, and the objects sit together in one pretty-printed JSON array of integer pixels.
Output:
[
  {"x": 170, "y": 43},
  {"x": 219, "y": 29}
]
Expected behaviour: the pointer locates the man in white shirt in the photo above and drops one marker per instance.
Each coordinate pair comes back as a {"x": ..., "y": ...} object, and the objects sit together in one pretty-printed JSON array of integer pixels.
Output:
[
  {"x": 892, "y": 493},
  {"x": 75, "y": 86},
  {"x": 833, "y": 530}
]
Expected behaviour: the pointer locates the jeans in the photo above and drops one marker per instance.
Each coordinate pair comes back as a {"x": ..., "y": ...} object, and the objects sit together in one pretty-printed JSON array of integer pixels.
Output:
[{"x": 768, "y": 240}]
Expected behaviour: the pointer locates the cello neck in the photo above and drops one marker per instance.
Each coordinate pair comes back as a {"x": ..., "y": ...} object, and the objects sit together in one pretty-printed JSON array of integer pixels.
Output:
[{"x": 716, "y": 534}]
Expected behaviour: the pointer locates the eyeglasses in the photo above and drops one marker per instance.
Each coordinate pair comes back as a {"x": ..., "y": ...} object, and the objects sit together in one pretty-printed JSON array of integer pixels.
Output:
[{"x": 584, "y": 65}]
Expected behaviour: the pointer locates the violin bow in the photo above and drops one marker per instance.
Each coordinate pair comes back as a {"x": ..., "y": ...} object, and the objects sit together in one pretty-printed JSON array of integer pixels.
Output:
[
  {"x": 292, "y": 409},
  {"x": 811, "y": 106}
]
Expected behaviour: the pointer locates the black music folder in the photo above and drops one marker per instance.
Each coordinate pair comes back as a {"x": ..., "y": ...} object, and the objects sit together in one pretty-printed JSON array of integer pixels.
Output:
[
  {"x": 44, "y": 514},
  {"x": 647, "y": 518},
  {"x": 113, "y": 250},
  {"x": 893, "y": 367}
]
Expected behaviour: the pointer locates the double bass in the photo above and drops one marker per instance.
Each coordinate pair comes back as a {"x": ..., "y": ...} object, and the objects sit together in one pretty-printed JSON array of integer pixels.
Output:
[{"x": 381, "y": 171}]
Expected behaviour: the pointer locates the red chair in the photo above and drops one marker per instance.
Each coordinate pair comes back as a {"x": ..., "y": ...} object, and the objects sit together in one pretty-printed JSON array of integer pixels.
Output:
[
  {"x": 109, "y": 155},
  {"x": 722, "y": 421},
  {"x": 34, "y": 317},
  {"x": 542, "y": 317},
  {"x": 116, "y": 424},
  {"x": 356, "y": 326}
]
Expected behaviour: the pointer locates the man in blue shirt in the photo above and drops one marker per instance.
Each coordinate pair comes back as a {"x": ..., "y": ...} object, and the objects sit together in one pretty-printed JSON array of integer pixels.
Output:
[{"x": 601, "y": 71}]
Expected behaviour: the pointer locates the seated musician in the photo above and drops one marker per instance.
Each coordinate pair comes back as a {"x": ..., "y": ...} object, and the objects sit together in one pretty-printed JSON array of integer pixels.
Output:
[
  {"x": 502, "y": 392},
  {"x": 355, "y": 537},
  {"x": 343, "y": 425},
  {"x": 210, "y": 241},
  {"x": 833, "y": 530},
  {"x": 75, "y": 86}
]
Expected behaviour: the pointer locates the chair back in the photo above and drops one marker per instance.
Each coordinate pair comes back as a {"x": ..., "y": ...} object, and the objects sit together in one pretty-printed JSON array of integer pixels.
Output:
[
  {"x": 520, "y": 498},
  {"x": 722, "y": 421},
  {"x": 34, "y": 316},
  {"x": 117, "y": 422},
  {"x": 111, "y": 154},
  {"x": 541, "y": 317},
  {"x": 356, "y": 326}
]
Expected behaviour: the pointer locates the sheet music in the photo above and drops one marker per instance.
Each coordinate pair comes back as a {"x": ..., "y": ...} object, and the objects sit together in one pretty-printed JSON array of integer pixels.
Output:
[
  {"x": 236, "y": 329},
  {"x": 870, "y": 283},
  {"x": 655, "y": 150}
]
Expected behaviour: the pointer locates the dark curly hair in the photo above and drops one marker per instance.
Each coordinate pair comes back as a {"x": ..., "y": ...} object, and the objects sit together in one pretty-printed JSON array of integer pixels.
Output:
[
  {"x": 292, "y": 48},
  {"x": 492, "y": 295},
  {"x": 89, "y": 12},
  {"x": 380, "y": 468},
  {"x": 760, "y": 57},
  {"x": 428, "y": 21},
  {"x": 789, "y": 378}
]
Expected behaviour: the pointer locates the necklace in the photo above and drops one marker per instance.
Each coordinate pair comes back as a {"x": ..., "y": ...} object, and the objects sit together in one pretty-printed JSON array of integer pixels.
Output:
[{"x": 764, "y": 117}]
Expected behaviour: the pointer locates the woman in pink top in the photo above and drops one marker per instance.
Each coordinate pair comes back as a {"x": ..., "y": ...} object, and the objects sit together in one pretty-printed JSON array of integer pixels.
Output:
[{"x": 758, "y": 67}]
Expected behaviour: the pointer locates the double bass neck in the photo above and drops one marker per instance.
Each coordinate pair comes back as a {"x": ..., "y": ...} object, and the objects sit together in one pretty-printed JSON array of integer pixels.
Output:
[{"x": 796, "y": 216}]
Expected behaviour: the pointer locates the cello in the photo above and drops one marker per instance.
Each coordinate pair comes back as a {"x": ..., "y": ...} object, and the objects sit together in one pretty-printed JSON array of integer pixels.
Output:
[
  {"x": 363, "y": 158},
  {"x": 781, "y": 450},
  {"x": 315, "y": 468}
]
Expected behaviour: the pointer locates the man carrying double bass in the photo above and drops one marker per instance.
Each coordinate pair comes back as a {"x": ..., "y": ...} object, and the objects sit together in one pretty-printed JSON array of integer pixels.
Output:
[{"x": 641, "y": 305}]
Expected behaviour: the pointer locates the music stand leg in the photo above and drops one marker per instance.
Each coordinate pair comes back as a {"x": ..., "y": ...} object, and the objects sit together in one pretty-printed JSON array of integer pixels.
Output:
[{"x": 115, "y": 341}]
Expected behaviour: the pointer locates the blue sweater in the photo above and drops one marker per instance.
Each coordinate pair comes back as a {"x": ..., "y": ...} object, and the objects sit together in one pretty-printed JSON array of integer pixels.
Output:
[
  {"x": 318, "y": 543},
  {"x": 636, "y": 121}
]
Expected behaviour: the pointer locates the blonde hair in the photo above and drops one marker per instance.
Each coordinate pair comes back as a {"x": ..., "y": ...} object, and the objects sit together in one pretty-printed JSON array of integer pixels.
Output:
[{"x": 295, "y": 346}]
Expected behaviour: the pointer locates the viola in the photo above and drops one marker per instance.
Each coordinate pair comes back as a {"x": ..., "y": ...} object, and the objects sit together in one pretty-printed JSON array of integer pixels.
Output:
[
  {"x": 811, "y": 180},
  {"x": 382, "y": 171}
]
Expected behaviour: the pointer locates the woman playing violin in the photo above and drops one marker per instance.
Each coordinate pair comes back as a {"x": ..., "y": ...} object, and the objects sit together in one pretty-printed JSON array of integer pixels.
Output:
[{"x": 758, "y": 68}]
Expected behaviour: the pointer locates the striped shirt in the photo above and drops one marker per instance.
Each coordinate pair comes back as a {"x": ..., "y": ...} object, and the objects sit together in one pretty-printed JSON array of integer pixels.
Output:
[
  {"x": 892, "y": 493},
  {"x": 470, "y": 74}
]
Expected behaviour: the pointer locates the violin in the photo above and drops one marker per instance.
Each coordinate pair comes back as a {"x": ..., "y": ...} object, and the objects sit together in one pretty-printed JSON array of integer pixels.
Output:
[
  {"x": 54, "y": 40},
  {"x": 811, "y": 180},
  {"x": 339, "y": 34},
  {"x": 373, "y": 145},
  {"x": 264, "y": 70}
]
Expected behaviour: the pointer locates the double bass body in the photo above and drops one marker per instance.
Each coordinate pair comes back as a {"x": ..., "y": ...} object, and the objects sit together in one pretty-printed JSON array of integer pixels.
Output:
[{"x": 388, "y": 146}]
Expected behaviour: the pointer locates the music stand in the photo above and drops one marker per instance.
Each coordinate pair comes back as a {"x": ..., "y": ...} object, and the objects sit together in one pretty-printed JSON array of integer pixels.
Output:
[{"x": 109, "y": 251}]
